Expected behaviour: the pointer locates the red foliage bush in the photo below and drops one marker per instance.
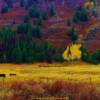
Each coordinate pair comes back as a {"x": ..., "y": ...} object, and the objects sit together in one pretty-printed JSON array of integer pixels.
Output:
[
  {"x": 56, "y": 88},
  {"x": 29, "y": 90}
]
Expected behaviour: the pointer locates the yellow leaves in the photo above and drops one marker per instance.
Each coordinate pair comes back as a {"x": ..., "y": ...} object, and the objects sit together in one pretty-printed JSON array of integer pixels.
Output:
[
  {"x": 75, "y": 52},
  {"x": 79, "y": 72},
  {"x": 89, "y": 5}
]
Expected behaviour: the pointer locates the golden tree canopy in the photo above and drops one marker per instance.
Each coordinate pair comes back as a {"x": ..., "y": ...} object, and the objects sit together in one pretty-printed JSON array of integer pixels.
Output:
[
  {"x": 72, "y": 52},
  {"x": 89, "y": 5}
]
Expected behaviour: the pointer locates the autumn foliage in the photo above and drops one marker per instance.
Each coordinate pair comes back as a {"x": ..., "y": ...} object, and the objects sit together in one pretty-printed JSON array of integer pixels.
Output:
[{"x": 59, "y": 89}]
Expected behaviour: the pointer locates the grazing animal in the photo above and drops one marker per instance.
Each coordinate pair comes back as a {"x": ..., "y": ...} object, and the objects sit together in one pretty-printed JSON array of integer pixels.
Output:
[
  {"x": 3, "y": 75},
  {"x": 12, "y": 74}
]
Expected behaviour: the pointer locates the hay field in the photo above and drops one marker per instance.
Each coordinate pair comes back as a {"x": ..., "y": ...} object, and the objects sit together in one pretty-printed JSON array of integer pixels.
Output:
[{"x": 49, "y": 72}]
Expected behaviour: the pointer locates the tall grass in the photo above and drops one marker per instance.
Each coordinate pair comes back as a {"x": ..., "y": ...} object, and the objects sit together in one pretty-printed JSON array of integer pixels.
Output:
[{"x": 30, "y": 90}]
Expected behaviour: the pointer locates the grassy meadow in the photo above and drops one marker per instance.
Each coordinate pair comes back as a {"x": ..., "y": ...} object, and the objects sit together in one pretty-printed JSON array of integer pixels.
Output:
[
  {"x": 49, "y": 72},
  {"x": 55, "y": 81},
  {"x": 75, "y": 81}
]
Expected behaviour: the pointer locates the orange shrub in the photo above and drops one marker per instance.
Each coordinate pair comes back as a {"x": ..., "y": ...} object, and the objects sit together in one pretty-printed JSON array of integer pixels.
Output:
[{"x": 30, "y": 90}]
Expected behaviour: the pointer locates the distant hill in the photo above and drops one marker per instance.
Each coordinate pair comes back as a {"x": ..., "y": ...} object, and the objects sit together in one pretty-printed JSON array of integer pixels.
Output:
[
  {"x": 69, "y": 3},
  {"x": 65, "y": 9}
]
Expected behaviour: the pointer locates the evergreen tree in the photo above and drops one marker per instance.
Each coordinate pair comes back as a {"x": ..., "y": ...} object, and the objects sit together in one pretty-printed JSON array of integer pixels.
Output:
[
  {"x": 81, "y": 15},
  {"x": 22, "y": 28},
  {"x": 84, "y": 15},
  {"x": 17, "y": 56},
  {"x": 30, "y": 32},
  {"x": 44, "y": 15},
  {"x": 34, "y": 11},
  {"x": 36, "y": 1},
  {"x": 26, "y": 19},
  {"x": 39, "y": 21},
  {"x": 95, "y": 2},
  {"x": 73, "y": 34},
  {"x": 57, "y": 57},
  {"x": 37, "y": 32},
  {"x": 40, "y": 56},
  {"x": 4, "y": 9},
  {"x": 84, "y": 52},
  {"x": 22, "y": 3},
  {"x": 10, "y": 3},
  {"x": 95, "y": 57},
  {"x": 52, "y": 9},
  {"x": 28, "y": 51}
]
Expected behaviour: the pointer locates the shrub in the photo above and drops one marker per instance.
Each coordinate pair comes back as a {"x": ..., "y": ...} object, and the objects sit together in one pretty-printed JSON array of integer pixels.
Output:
[
  {"x": 85, "y": 54},
  {"x": 57, "y": 57},
  {"x": 29, "y": 90},
  {"x": 56, "y": 88},
  {"x": 73, "y": 34},
  {"x": 93, "y": 58}
]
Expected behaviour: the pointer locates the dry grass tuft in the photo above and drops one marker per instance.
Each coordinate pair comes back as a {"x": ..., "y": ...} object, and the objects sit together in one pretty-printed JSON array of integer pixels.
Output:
[{"x": 30, "y": 90}]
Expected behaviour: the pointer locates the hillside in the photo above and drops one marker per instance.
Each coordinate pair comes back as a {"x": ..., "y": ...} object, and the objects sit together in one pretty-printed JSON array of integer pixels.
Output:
[
  {"x": 49, "y": 49},
  {"x": 55, "y": 27}
]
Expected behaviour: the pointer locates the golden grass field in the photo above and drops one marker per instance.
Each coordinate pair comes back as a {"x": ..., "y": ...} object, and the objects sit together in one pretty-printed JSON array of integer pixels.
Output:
[{"x": 49, "y": 72}]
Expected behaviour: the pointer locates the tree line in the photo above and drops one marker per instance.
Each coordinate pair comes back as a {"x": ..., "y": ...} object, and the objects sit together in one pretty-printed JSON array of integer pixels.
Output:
[
  {"x": 16, "y": 47},
  {"x": 33, "y": 7}
]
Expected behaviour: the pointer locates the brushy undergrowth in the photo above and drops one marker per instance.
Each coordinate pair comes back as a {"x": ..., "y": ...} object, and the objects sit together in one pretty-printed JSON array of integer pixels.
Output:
[{"x": 31, "y": 90}]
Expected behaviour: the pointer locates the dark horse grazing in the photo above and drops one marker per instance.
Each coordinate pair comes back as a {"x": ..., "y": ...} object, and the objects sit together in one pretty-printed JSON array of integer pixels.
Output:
[
  {"x": 12, "y": 74},
  {"x": 3, "y": 75}
]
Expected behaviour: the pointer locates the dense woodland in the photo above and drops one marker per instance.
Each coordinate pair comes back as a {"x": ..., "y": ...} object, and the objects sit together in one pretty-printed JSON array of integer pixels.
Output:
[{"x": 19, "y": 42}]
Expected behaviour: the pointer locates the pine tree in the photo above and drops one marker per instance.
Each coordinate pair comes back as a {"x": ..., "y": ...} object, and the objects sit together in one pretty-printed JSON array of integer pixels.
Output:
[
  {"x": 10, "y": 3},
  {"x": 95, "y": 2},
  {"x": 22, "y": 3},
  {"x": 17, "y": 56},
  {"x": 4, "y": 9},
  {"x": 81, "y": 15},
  {"x": 38, "y": 32},
  {"x": 73, "y": 34},
  {"x": 44, "y": 15},
  {"x": 52, "y": 9},
  {"x": 84, "y": 52},
  {"x": 34, "y": 11}
]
